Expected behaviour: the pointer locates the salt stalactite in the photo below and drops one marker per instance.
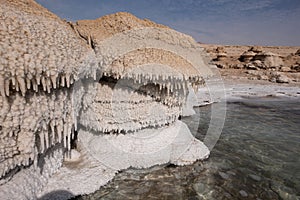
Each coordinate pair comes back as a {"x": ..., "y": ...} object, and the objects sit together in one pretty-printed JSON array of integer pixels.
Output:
[
  {"x": 52, "y": 131},
  {"x": 42, "y": 68},
  {"x": 42, "y": 142},
  {"x": 125, "y": 102},
  {"x": 60, "y": 130}
]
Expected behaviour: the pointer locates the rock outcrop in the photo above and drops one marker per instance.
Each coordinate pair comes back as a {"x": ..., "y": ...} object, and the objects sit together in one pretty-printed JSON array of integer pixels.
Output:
[
  {"x": 62, "y": 83},
  {"x": 247, "y": 56},
  {"x": 268, "y": 60},
  {"x": 240, "y": 61}
]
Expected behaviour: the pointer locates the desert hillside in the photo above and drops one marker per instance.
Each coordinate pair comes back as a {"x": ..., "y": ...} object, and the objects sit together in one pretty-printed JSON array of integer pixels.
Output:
[{"x": 265, "y": 63}]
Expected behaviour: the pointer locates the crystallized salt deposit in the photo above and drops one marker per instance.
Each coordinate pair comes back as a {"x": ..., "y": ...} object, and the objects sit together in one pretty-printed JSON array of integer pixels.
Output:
[{"x": 61, "y": 83}]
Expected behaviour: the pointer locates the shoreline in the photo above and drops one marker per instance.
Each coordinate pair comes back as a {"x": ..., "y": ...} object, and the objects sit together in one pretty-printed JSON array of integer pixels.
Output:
[
  {"x": 245, "y": 89},
  {"x": 216, "y": 175},
  {"x": 260, "y": 90}
]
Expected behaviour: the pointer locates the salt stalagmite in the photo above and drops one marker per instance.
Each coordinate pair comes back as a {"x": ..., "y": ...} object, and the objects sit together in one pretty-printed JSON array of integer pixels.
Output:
[{"x": 111, "y": 79}]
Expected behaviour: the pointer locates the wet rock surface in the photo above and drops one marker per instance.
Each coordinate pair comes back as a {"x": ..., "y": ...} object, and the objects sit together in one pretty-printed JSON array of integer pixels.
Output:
[{"x": 246, "y": 163}]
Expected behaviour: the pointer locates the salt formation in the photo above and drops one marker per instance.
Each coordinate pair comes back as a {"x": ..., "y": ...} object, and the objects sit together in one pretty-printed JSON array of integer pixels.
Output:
[
  {"x": 40, "y": 54},
  {"x": 63, "y": 83},
  {"x": 112, "y": 153}
]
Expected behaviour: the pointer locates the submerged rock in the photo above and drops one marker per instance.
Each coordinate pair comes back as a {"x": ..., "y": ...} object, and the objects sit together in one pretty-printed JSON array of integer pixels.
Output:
[
  {"x": 255, "y": 177},
  {"x": 243, "y": 193},
  {"x": 224, "y": 175}
]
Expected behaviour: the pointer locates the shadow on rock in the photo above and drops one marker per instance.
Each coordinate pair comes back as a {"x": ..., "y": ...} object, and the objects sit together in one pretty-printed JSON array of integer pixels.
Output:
[{"x": 57, "y": 195}]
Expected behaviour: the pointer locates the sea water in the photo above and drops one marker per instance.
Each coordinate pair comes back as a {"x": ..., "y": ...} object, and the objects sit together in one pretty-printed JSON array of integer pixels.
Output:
[{"x": 256, "y": 157}]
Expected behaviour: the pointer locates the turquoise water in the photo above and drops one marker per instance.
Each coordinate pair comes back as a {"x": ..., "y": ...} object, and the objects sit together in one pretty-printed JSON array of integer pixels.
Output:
[{"x": 256, "y": 157}]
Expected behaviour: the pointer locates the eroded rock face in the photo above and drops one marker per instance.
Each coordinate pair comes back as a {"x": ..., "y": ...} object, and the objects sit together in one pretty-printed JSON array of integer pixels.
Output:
[
  {"x": 247, "y": 56},
  {"x": 116, "y": 74},
  {"x": 265, "y": 59},
  {"x": 102, "y": 28},
  {"x": 269, "y": 59}
]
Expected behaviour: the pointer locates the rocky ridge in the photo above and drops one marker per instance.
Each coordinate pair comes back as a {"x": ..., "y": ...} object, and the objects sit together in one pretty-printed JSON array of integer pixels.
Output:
[{"x": 269, "y": 64}]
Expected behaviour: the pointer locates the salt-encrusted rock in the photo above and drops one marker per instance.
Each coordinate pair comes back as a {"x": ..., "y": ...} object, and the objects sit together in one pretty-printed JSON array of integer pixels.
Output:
[
  {"x": 38, "y": 49},
  {"x": 136, "y": 37},
  {"x": 48, "y": 91},
  {"x": 39, "y": 55}
]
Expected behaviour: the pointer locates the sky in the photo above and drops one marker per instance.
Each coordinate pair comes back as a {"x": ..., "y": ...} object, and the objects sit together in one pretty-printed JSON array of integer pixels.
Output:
[{"x": 228, "y": 22}]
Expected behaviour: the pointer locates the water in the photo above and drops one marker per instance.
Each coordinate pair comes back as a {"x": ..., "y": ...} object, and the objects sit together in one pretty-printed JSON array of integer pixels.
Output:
[{"x": 256, "y": 157}]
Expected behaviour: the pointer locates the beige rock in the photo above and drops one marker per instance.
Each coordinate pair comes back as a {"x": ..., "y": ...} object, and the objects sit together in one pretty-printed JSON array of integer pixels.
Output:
[
  {"x": 263, "y": 77},
  {"x": 238, "y": 66},
  {"x": 251, "y": 66},
  {"x": 283, "y": 79},
  {"x": 162, "y": 45},
  {"x": 279, "y": 77},
  {"x": 285, "y": 69},
  {"x": 231, "y": 67},
  {"x": 296, "y": 68},
  {"x": 221, "y": 56},
  {"x": 295, "y": 77},
  {"x": 108, "y": 25},
  {"x": 269, "y": 59},
  {"x": 247, "y": 56},
  {"x": 220, "y": 50},
  {"x": 256, "y": 49},
  {"x": 258, "y": 64}
]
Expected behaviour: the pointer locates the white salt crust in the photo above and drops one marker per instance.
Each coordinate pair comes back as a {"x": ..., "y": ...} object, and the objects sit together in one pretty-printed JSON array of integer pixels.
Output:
[{"x": 49, "y": 85}]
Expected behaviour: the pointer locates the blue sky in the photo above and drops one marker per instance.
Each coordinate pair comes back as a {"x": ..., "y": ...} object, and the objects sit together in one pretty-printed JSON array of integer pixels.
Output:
[{"x": 252, "y": 22}]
